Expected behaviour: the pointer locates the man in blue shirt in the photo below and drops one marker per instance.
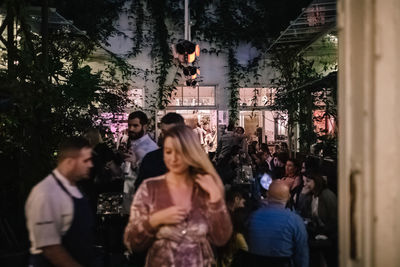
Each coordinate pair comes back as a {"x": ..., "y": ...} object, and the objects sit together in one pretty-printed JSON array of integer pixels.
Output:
[{"x": 277, "y": 233}]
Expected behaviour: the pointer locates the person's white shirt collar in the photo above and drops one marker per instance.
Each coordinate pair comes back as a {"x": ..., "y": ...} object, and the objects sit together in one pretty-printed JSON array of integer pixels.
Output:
[
  {"x": 139, "y": 140},
  {"x": 72, "y": 189}
]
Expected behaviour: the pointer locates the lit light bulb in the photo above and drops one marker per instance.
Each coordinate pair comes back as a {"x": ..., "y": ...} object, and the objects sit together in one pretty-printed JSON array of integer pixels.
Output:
[{"x": 191, "y": 57}]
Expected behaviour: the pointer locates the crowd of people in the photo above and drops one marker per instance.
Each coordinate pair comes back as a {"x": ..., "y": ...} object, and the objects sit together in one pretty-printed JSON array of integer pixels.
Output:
[{"x": 191, "y": 199}]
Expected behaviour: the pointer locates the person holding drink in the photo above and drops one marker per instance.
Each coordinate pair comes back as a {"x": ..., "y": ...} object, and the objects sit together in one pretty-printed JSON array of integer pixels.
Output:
[{"x": 136, "y": 147}]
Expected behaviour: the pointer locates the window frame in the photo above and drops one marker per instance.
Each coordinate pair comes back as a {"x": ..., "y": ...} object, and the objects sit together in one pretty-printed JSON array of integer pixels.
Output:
[
  {"x": 197, "y": 106},
  {"x": 258, "y": 107}
]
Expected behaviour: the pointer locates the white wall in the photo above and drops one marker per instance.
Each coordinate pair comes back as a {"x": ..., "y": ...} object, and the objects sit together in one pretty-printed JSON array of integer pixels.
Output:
[{"x": 213, "y": 68}]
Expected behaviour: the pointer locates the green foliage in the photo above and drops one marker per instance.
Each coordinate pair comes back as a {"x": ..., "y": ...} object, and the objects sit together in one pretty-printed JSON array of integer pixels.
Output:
[
  {"x": 137, "y": 12},
  {"x": 47, "y": 106},
  {"x": 228, "y": 22},
  {"x": 223, "y": 24},
  {"x": 96, "y": 17},
  {"x": 161, "y": 53},
  {"x": 327, "y": 146},
  {"x": 233, "y": 88},
  {"x": 299, "y": 95}
]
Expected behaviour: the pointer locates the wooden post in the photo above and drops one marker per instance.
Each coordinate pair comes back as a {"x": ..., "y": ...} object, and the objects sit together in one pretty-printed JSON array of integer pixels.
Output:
[{"x": 369, "y": 133}]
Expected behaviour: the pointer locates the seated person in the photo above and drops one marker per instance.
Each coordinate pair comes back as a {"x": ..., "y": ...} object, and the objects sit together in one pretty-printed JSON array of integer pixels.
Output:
[
  {"x": 322, "y": 227},
  {"x": 232, "y": 253},
  {"x": 277, "y": 165},
  {"x": 235, "y": 198},
  {"x": 292, "y": 177},
  {"x": 277, "y": 235}
]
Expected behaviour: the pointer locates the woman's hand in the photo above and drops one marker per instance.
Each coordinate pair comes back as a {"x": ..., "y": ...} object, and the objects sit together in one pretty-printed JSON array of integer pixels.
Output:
[
  {"x": 207, "y": 183},
  {"x": 171, "y": 215}
]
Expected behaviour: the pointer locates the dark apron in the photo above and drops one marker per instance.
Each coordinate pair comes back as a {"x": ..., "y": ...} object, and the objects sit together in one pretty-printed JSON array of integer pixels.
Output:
[{"x": 79, "y": 239}]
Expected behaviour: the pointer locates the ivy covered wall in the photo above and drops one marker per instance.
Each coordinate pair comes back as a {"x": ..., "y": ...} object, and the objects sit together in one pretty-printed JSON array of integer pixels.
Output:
[{"x": 233, "y": 36}]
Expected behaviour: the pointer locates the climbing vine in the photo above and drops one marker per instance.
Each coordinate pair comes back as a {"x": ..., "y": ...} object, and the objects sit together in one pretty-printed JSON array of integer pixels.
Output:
[
  {"x": 300, "y": 95},
  {"x": 224, "y": 25},
  {"x": 137, "y": 12},
  {"x": 233, "y": 87},
  {"x": 161, "y": 53}
]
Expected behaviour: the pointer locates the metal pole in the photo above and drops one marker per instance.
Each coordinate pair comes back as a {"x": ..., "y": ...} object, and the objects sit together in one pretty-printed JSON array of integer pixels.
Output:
[
  {"x": 189, "y": 25},
  {"x": 189, "y": 28},
  {"x": 187, "y": 36}
]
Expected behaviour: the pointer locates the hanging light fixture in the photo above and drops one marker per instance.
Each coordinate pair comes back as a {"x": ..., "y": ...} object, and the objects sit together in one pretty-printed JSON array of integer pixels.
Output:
[
  {"x": 191, "y": 82},
  {"x": 191, "y": 58},
  {"x": 185, "y": 47},
  {"x": 186, "y": 51},
  {"x": 191, "y": 70}
]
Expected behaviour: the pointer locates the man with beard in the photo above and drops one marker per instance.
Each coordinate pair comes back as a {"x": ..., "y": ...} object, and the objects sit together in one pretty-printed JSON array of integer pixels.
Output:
[
  {"x": 153, "y": 163},
  {"x": 139, "y": 144}
]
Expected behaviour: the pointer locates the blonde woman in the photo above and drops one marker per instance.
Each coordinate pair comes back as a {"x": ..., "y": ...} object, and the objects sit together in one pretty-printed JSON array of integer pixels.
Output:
[{"x": 176, "y": 216}]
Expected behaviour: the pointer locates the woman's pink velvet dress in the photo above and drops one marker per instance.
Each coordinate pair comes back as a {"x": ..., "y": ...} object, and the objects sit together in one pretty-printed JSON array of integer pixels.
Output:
[{"x": 186, "y": 244}]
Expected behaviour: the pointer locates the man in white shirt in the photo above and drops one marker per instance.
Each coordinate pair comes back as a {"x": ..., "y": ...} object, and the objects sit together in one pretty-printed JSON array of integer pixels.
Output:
[
  {"x": 59, "y": 219},
  {"x": 139, "y": 144}
]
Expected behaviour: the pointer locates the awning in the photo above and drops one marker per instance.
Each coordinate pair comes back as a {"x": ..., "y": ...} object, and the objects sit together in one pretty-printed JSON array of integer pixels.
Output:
[
  {"x": 328, "y": 81},
  {"x": 56, "y": 21},
  {"x": 316, "y": 20}
]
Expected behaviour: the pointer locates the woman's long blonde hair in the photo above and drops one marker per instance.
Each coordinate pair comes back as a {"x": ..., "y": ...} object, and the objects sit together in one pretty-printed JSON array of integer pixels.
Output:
[{"x": 187, "y": 143}]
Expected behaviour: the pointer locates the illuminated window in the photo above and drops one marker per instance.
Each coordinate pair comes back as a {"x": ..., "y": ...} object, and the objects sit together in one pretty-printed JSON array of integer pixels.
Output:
[
  {"x": 258, "y": 97},
  {"x": 176, "y": 98},
  {"x": 188, "y": 96},
  {"x": 136, "y": 98},
  {"x": 206, "y": 95}
]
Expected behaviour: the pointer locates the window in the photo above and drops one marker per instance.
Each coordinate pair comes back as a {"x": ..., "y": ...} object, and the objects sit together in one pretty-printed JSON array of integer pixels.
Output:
[
  {"x": 206, "y": 96},
  {"x": 135, "y": 97},
  {"x": 193, "y": 96},
  {"x": 250, "y": 97},
  {"x": 190, "y": 96},
  {"x": 176, "y": 98}
]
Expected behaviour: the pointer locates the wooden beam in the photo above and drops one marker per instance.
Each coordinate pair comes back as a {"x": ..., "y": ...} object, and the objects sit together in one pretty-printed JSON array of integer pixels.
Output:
[
  {"x": 4, "y": 24},
  {"x": 4, "y": 41}
]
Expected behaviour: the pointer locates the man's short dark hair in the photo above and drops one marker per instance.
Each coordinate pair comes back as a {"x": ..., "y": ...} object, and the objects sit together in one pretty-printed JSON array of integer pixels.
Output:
[
  {"x": 240, "y": 128},
  {"x": 173, "y": 118},
  {"x": 319, "y": 181},
  {"x": 231, "y": 126},
  {"x": 264, "y": 148},
  {"x": 283, "y": 157},
  {"x": 71, "y": 147},
  {"x": 139, "y": 115},
  {"x": 233, "y": 192}
]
